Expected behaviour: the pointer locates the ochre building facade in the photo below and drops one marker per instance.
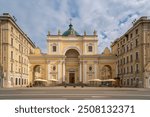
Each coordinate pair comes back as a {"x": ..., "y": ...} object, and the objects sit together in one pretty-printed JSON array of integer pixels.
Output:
[
  {"x": 73, "y": 58},
  {"x": 133, "y": 55},
  {"x": 15, "y": 47}
]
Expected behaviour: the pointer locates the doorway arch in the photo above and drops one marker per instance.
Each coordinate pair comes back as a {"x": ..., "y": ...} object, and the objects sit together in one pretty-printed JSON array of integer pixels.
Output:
[
  {"x": 106, "y": 72},
  {"x": 72, "y": 66}
]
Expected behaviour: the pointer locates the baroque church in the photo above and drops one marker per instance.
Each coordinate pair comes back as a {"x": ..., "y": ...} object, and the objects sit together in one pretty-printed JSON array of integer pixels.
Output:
[{"x": 72, "y": 58}]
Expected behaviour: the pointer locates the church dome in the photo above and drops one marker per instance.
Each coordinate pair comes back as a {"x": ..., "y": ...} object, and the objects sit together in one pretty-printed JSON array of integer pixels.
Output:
[{"x": 71, "y": 31}]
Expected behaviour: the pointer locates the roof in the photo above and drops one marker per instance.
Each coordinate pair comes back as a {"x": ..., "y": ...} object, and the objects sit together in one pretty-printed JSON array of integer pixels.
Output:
[
  {"x": 7, "y": 16},
  {"x": 70, "y": 31}
]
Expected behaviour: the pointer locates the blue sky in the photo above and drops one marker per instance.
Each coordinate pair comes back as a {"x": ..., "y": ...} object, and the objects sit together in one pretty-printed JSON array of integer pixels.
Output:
[{"x": 110, "y": 18}]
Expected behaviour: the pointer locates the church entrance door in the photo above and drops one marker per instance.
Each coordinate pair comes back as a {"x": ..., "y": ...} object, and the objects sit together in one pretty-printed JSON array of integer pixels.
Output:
[{"x": 72, "y": 78}]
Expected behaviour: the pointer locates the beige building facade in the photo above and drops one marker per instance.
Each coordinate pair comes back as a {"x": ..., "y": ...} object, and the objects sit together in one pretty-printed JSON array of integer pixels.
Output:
[
  {"x": 73, "y": 59},
  {"x": 15, "y": 47},
  {"x": 133, "y": 55}
]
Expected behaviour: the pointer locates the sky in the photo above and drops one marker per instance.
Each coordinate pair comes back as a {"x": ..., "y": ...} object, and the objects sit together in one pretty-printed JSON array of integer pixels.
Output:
[{"x": 110, "y": 18}]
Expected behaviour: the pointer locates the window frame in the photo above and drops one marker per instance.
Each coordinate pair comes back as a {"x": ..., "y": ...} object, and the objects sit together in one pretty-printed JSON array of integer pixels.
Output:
[
  {"x": 54, "y": 48},
  {"x": 90, "y": 48}
]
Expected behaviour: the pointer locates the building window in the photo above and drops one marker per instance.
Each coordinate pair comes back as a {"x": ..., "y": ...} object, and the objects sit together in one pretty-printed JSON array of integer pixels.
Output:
[
  {"x": 131, "y": 46},
  {"x": 137, "y": 55},
  {"x": 128, "y": 82},
  {"x": 131, "y": 35},
  {"x": 22, "y": 59},
  {"x": 127, "y": 48},
  {"x": 90, "y": 48},
  {"x": 19, "y": 48},
  {"x": 131, "y": 69},
  {"x": 124, "y": 83},
  {"x": 124, "y": 61},
  {"x": 124, "y": 70},
  {"x": 54, "y": 68},
  {"x": 12, "y": 29},
  {"x": 54, "y": 48},
  {"x": 127, "y": 70},
  {"x": 11, "y": 55},
  {"x": 123, "y": 49},
  {"x": 22, "y": 81},
  {"x": 11, "y": 67},
  {"x": 12, "y": 41},
  {"x": 136, "y": 31},
  {"x": 19, "y": 81},
  {"x": 137, "y": 68},
  {"x": 136, "y": 42},
  {"x": 127, "y": 37},
  {"x": 90, "y": 68},
  {"x": 131, "y": 58},
  {"x": 131, "y": 82},
  {"x": 127, "y": 59},
  {"x": 123, "y": 40},
  {"x": 25, "y": 81},
  {"x": 16, "y": 81}
]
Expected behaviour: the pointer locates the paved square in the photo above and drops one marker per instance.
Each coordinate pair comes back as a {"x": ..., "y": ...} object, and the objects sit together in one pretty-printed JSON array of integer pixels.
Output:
[{"x": 71, "y": 93}]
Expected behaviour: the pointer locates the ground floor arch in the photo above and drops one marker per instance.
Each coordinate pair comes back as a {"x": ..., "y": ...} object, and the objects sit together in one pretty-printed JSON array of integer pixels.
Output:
[{"x": 72, "y": 66}]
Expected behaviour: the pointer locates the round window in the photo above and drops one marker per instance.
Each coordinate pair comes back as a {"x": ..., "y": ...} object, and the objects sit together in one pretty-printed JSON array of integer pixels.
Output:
[{"x": 90, "y": 68}]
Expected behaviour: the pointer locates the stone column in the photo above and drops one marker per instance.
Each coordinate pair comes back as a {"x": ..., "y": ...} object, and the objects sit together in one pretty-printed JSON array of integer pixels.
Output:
[
  {"x": 48, "y": 70},
  {"x": 80, "y": 72},
  {"x": 95, "y": 67},
  {"x": 58, "y": 71},
  {"x": 85, "y": 67},
  {"x": 64, "y": 71}
]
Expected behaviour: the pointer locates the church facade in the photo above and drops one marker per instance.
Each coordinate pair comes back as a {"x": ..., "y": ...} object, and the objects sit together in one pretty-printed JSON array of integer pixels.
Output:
[{"x": 72, "y": 58}]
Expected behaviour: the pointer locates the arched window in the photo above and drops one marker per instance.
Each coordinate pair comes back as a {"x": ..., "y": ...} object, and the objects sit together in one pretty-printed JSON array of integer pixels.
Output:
[
  {"x": 54, "y": 48},
  {"x": 90, "y": 48}
]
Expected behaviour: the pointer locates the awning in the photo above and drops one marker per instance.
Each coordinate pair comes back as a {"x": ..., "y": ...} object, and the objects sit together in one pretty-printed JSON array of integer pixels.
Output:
[
  {"x": 95, "y": 80},
  {"x": 42, "y": 80},
  {"x": 55, "y": 80},
  {"x": 111, "y": 80}
]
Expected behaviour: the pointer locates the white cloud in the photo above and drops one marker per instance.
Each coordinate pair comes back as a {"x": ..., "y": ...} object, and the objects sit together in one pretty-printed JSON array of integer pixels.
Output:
[{"x": 113, "y": 17}]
